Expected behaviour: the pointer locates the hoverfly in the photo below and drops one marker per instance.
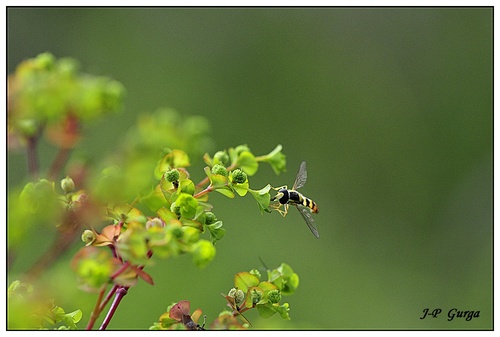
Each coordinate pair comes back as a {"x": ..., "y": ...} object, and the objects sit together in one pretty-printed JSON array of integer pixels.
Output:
[{"x": 288, "y": 197}]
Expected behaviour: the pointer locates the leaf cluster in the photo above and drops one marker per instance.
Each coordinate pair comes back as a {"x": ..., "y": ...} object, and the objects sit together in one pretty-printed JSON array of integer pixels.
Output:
[
  {"x": 249, "y": 292},
  {"x": 49, "y": 92},
  {"x": 27, "y": 311}
]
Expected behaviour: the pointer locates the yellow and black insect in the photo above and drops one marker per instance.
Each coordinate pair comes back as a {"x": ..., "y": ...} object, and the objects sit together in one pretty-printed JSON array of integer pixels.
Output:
[{"x": 288, "y": 197}]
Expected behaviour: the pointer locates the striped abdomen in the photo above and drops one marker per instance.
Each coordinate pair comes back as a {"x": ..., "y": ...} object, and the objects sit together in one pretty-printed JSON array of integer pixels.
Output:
[{"x": 295, "y": 197}]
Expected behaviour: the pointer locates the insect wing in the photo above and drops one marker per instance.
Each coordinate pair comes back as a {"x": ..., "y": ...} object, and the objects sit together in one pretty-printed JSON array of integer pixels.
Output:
[
  {"x": 306, "y": 214},
  {"x": 301, "y": 176}
]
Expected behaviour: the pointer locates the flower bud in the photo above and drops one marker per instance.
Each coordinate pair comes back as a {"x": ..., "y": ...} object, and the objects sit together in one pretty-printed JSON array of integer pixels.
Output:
[
  {"x": 221, "y": 157},
  {"x": 256, "y": 296},
  {"x": 27, "y": 127},
  {"x": 274, "y": 296},
  {"x": 240, "y": 148},
  {"x": 175, "y": 209},
  {"x": 220, "y": 170},
  {"x": 68, "y": 185},
  {"x": 232, "y": 292},
  {"x": 45, "y": 61},
  {"x": 88, "y": 237},
  {"x": 172, "y": 175},
  {"x": 255, "y": 272},
  {"x": 155, "y": 222},
  {"x": 177, "y": 232},
  {"x": 238, "y": 176},
  {"x": 210, "y": 218},
  {"x": 238, "y": 295}
]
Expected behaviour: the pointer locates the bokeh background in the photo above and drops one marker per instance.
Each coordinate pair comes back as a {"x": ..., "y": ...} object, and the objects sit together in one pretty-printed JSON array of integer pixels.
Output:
[{"x": 390, "y": 107}]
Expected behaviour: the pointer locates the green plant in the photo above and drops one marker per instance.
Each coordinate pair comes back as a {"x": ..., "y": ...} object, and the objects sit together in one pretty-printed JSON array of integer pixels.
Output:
[{"x": 137, "y": 205}]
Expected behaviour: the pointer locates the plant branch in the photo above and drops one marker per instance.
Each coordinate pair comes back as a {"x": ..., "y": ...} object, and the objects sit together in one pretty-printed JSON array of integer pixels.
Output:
[
  {"x": 95, "y": 313},
  {"x": 203, "y": 182},
  {"x": 119, "y": 294},
  {"x": 108, "y": 297},
  {"x": 205, "y": 191},
  {"x": 59, "y": 161},
  {"x": 120, "y": 270}
]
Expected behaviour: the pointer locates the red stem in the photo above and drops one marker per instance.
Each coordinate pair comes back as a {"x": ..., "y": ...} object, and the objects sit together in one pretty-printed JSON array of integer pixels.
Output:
[
  {"x": 120, "y": 292},
  {"x": 95, "y": 313},
  {"x": 32, "y": 157},
  {"x": 108, "y": 297},
  {"x": 205, "y": 191},
  {"x": 120, "y": 270},
  {"x": 59, "y": 161}
]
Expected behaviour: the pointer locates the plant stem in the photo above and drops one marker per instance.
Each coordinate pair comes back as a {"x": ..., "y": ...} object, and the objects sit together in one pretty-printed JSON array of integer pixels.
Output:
[
  {"x": 203, "y": 182},
  {"x": 108, "y": 297},
  {"x": 32, "y": 157},
  {"x": 120, "y": 292},
  {"x": 120, "y": 270},
  {"x": 58, "y": 163},
  {"x": 205, "y": 191},
  {"x": 95, "y": 313}
]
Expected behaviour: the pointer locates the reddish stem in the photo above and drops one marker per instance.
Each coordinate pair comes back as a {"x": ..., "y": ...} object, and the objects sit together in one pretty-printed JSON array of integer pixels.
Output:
[
  {"x": 95, "y": 313},
  {"x": 120, "y": 270},
  {"x": 120, "y": 292},
  {"x": 59, "y": 161},
  {"x": 205, "y": 191},
  {"x": 203, "y": 182},
  {"x": 108, "y": 297}
]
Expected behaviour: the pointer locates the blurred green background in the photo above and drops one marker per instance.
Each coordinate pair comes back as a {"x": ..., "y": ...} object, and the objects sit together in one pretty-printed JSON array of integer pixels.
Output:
[{"x": 390, "y": 107}]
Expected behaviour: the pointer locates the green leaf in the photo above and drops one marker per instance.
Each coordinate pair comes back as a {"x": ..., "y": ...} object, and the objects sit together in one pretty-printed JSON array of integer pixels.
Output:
[
  {"x": 155, "y": 199},
  {"x": 241, "y": 189},
  {"x": 244, "y": 280},
  {"x": 291, "y": 285},
  {"x": 208, "y": 160},
  {"x": 216, "y": 231},
  {"x": 276, "y": 159},
  {"x": 40, "y": 200},
  {"x": 266, "y": 310},
  {"x": 248, "y": 163},
  {"x": 262, "y": 197},
  {"x": 283, "y": 310},
  {"x": 70, "y": 319},
  {"x": 173, "y": 159},
  {"x": 285, "y": 270},
  {"x": 188, "y": 205},
  {"x": 225, "y": 191},
  {"x": 166, "y": 214},
  {"x": 284, "y": 278},
  {"x": 186, "y": 186},
  {"x": 267, "y": 286}
]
